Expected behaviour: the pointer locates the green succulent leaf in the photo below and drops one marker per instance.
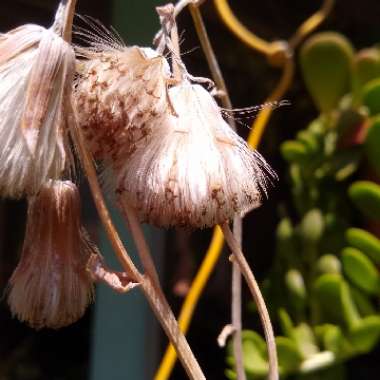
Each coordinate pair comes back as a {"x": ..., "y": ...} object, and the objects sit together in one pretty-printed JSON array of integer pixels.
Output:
[
  {"x": 360, "y": 270},
  {"x": 366, "y": 197},
  {"x": 294, "y": 151},
  {"x": 333, "y": 339},
  {"x": 366, "y": 67},
  {"x": 289, "y": 357},
  {"x": 310, "y": 141},
  {"x": 364, "y": 241},
  {"x": 312, "y": 226},
  {"x": 335, "y": 300},
  {"x": 329, "y": 264},
  {"x": 344, "y": 163},
  {"x": 326, "y": 61},
  {"x": 295, "y": 284},
  {"x": 286, "y": 323},
  {"x": 366, "y": 334},
  {"x": 285, "y": 239},
  {"x": 362, "y": 302},
  {"x": 372, "y": 145},
  {"x": 254, "y": 354},
  {"x": 305, "y": 340},
  {"x": 371, "y": 96}
]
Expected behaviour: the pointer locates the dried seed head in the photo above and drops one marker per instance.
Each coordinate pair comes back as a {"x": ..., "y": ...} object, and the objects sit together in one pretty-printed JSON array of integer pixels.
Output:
[
  {"x": 194, "y": 170},
  {"x": 50, "y": 286},
  {"x": 120, "y": 91},
  {"x": 36, "y": 72}
]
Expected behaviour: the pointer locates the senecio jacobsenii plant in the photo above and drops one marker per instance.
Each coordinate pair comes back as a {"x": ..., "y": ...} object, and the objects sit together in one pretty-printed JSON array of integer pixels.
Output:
[
  {"x": 169, "y": 156},
  {"x": 324, "y": 288}
]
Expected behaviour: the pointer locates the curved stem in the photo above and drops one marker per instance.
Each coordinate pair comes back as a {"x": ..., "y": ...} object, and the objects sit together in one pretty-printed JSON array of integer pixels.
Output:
[
  {"x": 311, "y": 23},
  {"x": 238, "y": 256},
  {"x": 138, "y": 236},
  {"x": 243, "y": 33},
  {"x": 191, "y": 300},
  {"x": 155, "y": 297},
  {"x": 261, "y": 121}
]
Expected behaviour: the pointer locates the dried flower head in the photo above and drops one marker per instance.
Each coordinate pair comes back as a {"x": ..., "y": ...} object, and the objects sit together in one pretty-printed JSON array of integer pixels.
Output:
[
  {"x": 194, "y": 170},
  {"x": 120, "y": 91},
  {"x": 36, "y": 72},
  {"x": 50, "y": 286}
]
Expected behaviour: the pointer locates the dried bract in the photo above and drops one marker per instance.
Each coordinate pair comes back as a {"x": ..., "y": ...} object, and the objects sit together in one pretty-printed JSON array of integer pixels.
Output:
[
  {"x": 50, "y": 286},
  {"x": 121, "y": 90},
  {"x": 36, "y": 73},
  {"x": 195, "y": 170}
]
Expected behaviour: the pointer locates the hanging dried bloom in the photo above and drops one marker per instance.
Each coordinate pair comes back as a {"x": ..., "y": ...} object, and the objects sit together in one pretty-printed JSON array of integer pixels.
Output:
[
  {"x": 195, "y": 170},
  {"x": 36, "y": 72},
  {"x": 120, "y": 91},
  {"x": 50, "y": 286}
]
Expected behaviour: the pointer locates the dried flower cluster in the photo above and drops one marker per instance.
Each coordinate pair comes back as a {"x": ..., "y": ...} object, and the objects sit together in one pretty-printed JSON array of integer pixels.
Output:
[
  {"x": 172, "y": 156},
  {"x": 50, "y": 286},
  {"x": 194, "y": 170}
]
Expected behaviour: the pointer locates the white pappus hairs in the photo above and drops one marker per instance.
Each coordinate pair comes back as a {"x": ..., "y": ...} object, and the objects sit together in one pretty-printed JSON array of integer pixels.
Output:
[
  {"x": 51, "y": 286},
  {"x": 119, "y": 92},
  {"x": 36, "y": 73},
  {"x": 194, "y": 169}
]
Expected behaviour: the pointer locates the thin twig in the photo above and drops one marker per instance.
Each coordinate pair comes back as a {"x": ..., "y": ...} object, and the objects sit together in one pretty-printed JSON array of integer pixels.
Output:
[
  {"x": 238, "y": 256},
  {"x": 138, "y": 236},
  {"x": 236, "y": 306},
  {"x": 155, "y": 298}
]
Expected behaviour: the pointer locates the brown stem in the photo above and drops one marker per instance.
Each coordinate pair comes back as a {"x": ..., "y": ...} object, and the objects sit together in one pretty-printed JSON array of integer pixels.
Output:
[
  {"x": 68, "y": 18},
  {"x": 238, "y": 256},
  {"x": 237, "y": 225},
  {"x": 138, "y": 236},
  {"x": 154, "y": 296},
  {"x": 236, "y": 306}
]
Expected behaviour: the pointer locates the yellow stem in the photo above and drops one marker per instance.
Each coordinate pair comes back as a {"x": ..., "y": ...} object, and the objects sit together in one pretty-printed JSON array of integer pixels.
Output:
[
  {"x": 192, "y": 298},
  {"x": 261, "y": 121},
  {"x": 311, "y": 23},
  {"x": 244, "y": 34}
]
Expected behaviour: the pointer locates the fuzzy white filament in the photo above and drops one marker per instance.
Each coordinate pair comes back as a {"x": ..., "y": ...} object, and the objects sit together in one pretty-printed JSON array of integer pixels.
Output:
[
  {"x": 194, "y": 170},
  {"x": 36, "y": 70}
]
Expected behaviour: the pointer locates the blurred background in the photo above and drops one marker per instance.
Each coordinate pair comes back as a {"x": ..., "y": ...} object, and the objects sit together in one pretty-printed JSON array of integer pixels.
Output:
[{"x": 118, "y": 337}]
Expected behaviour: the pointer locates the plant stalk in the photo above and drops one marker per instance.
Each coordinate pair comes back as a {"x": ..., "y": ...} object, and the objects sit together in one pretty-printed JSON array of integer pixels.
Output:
[
  {"x": 154, "y": 295},
  {"x": 236, "y": 307},
  {"x": 238, "y": 256}
]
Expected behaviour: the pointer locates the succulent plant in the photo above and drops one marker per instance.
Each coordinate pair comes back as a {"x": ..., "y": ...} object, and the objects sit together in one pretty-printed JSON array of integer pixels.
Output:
[{"x": 325, "y": 280}]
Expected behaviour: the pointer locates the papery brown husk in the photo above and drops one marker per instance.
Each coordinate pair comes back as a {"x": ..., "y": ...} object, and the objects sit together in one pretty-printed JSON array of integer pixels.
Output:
[{"x": 50, "y": 286}]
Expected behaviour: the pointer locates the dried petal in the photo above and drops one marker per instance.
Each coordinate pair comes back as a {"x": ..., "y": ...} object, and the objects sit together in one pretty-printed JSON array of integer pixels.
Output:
[
  {"x": 194, "y": 170},
  {"x": 50, "y": 80},
  {"x": 36, "y": 71},
  {"x": 51, "y": 286}
]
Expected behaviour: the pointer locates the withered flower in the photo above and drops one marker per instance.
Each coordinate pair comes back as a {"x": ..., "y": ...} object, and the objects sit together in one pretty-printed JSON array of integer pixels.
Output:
[
  {"x": 194, "y": 170},
  {"x": 36, "y": 73},
  {"x": 51, "y": 286},
  {"x": 120, "y": 93}
]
